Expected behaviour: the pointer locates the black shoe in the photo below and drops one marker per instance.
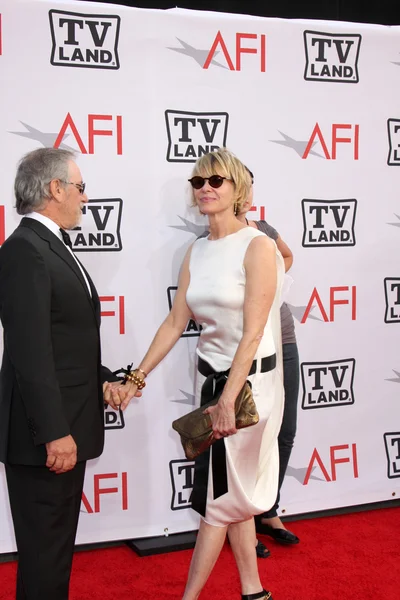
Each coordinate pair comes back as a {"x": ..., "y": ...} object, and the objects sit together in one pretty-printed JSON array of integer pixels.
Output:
[
  {"x": 283, "y": 536},
  {"x": 264, "y": 595},
  {"x": 261, "y": 550}
]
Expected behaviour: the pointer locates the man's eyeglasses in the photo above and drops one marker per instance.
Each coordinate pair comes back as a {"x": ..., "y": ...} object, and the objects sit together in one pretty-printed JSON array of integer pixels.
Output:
[
  {"x": 215, "y": 181},
  {"x": 81, "y": 186}
]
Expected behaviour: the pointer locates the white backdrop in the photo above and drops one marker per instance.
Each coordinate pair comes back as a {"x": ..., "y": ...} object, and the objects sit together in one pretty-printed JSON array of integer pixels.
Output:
[{"x": 312, "y": 108}]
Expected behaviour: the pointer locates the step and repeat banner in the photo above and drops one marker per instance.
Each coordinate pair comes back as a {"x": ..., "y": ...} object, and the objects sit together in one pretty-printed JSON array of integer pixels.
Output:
[{"x": 312, "y": 108}]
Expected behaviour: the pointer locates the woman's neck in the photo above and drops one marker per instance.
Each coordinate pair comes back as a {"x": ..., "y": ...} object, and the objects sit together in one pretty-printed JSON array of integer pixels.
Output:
[{"x": 223, "y": 224}]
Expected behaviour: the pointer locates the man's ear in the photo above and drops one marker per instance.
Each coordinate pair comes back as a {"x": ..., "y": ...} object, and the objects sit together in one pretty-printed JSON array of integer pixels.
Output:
[{"x": 55, "y": 189}]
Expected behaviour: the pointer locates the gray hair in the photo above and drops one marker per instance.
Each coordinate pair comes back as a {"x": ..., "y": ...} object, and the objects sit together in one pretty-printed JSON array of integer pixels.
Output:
[{"x": 35, "y": 171}]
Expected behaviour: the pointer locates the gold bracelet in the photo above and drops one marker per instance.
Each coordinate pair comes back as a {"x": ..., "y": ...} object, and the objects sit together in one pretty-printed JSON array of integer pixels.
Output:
[
  {"x": 141, "y": 370},
  {"x": 139, "y": 381}
]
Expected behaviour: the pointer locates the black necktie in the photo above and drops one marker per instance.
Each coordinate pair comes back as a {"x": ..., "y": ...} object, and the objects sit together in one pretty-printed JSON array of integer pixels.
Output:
[{"x": 66, "y": 238}]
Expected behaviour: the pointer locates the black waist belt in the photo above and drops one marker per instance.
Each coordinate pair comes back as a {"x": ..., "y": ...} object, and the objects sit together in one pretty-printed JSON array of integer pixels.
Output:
[
  {"x": 268, "y": 363},
  {"x": 212, "y": 386}
]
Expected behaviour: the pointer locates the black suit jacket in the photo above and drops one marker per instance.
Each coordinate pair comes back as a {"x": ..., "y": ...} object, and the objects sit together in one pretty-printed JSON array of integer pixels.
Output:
[{"x": 51, "y": 375}]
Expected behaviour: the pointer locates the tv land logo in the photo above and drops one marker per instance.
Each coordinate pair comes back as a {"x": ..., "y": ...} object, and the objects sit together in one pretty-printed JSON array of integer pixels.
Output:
[
  {"x": 100, "y": 227},
  {"x": 2, "y": 225},
  {"x": 327, "y": 384},
  {"x": 392, "y": 447},
  {"x": 394, "y": 142},
  {"x": 328, "y": 223},
  {"x": 331, "y": 56},
  {"x": 82, "y": 40},
  {"x": 193, "y": 329},
  {"x": 392, "y": 298},
  {"x": 92, "y": 503},
  {"x": 328, "y": 468},
  {"x": 232, "y": 52},
  {"x": 68, "y": 127},
  {"x": 327, "y": 143},
  {"x": 182, "y": 477},
  {"x": 113, "y": 419},
  {"x": 191, "y": 135}
]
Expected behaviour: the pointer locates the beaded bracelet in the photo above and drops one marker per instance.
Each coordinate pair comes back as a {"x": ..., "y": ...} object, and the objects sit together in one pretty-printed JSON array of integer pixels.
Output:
[{"x": 139, "y": 381}]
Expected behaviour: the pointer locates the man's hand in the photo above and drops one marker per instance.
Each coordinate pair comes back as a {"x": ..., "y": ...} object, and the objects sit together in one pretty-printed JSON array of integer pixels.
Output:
[
  {"x": 119, "y": 396},
  {"x": 61, "y": 455}
]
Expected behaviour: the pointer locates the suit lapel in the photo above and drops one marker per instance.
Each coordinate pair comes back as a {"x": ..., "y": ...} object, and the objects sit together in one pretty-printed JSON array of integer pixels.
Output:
[
  {"x": 62, "y": 251},
  {"x": 95, "y": 297}
]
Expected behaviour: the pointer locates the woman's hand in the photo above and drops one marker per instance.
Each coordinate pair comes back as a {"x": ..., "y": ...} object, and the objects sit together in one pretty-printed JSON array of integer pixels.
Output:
[
  {"x": 118, "y": 395},
  {"x": 223, "y": 420}
]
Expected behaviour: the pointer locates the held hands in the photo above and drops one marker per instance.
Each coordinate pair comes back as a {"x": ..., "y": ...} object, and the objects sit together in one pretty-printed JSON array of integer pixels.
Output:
[
  {"x": 223, "y": 420},
  {"x": 118, "y": 396},
  {"x": 61, "y": 455}
]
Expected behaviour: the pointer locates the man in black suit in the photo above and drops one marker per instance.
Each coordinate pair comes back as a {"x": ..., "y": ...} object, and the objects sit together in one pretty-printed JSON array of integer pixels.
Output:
[{"x": 51, "y": 396}]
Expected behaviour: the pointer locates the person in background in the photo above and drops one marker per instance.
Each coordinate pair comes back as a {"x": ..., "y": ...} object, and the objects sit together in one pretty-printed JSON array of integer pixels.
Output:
[{"x": 269, "y": 523}]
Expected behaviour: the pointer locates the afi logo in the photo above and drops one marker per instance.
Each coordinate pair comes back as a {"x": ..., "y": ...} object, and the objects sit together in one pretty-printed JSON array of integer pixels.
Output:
[
  {"x": 394, "y": 142},
  {"x": 392, "y": 446},
  {"x": 118, "y": 306},
  {"x": 81, "y": 40},
  {"x": 333, "y": 461},
  {"x": 113, "y": 419},
  {"x": 190, "y": 135},
  {"x": 100, "y": 227},
  {"x": 92, "y": 132},
  {"x": 331, "y": 56},
  {"x": 392, "y": 297},
  {"x": 337, "y": 128},
  {"x": 2, "y": 225},
  {"x": 192, "y": 328},
  {"x": 245, "y": 43},
  {"x": 182, "y": 475},
  {"x": 333, "y": 301},
  {"x": 327, "y": 384},
  {"x": 120, "y": 487},
  {"x": 328, "y": 223}
]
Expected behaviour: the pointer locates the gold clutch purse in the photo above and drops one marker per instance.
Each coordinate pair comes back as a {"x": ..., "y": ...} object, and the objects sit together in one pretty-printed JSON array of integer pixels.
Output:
[{"x": 195, "y": 428}]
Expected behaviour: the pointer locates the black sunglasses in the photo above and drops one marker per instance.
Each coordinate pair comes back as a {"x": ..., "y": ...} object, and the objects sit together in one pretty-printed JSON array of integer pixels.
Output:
[{"x": 215, "y": 181}]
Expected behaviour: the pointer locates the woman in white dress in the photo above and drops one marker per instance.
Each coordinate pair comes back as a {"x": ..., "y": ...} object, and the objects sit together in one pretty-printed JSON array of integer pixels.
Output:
[{"x": 221, "y": 288}]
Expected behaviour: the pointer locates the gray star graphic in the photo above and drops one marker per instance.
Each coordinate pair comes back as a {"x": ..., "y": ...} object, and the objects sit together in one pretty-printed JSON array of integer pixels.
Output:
[
  {"x": 189, "y": 398},
  {"x": 298, "y": 312},
  {"x": 395, "y": 379},
  {"x": 190, "y": 227},
  {"x": 47, "y": 139},
  {"x": 300, "y": 474},
  {"x": 296, "y": 145},
  {"x": 397, "y": 216},
  {"x": 200, "y": 56}
]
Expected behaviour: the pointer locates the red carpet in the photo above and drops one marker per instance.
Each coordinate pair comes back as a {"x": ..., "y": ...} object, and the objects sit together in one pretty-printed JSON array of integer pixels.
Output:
[{"x": 348, "y": 557}]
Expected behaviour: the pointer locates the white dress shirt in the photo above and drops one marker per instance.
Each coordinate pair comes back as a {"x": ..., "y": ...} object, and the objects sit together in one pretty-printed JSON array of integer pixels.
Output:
[{"x": 54, "y": 228}]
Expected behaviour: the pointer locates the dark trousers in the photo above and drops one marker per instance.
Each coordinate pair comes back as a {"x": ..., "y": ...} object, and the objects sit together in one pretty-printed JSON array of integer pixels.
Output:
[
  {"x": 289, "y": 421},
  {"x": 45, "y": 511}
]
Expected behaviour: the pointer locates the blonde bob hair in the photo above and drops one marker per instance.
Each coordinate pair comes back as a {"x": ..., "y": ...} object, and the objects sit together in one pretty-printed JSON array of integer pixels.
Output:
[{"x": 225, "y": 163}]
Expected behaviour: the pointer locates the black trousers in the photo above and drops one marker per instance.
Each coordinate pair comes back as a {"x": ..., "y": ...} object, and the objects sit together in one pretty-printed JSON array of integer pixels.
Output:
[
  {"x": 289, "y": 422},
  {"x": 45, "y": 511}
]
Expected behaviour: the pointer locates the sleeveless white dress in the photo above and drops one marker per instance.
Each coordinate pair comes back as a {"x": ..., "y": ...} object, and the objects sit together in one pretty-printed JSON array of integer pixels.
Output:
[{"x": 216, "y": 296}]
